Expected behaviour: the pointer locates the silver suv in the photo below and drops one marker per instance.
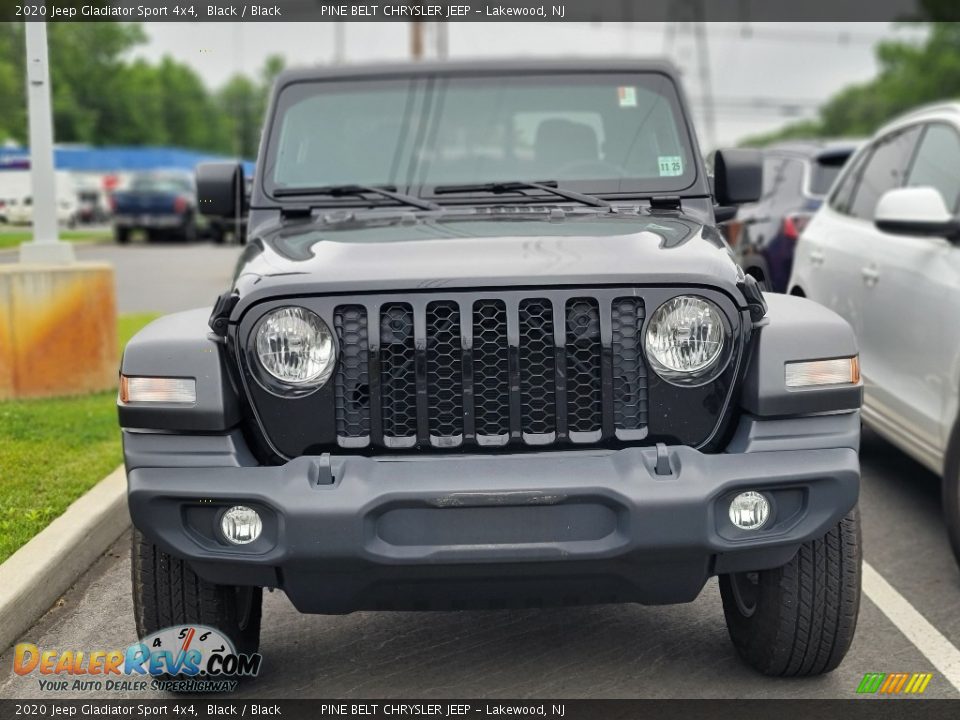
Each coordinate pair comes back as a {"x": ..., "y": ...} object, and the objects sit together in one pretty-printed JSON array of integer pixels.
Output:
[{"x": 884, "y": 252}]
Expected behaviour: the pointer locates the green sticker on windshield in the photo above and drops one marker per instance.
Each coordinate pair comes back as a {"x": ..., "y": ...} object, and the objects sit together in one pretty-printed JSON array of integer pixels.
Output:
[{"x": 670, "y": 165}]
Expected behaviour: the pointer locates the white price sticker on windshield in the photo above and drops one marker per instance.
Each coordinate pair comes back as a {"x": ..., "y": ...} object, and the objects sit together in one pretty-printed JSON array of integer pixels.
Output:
[
  {"x": 627, "y": 96},
  {"x": 670, "y": 165}
]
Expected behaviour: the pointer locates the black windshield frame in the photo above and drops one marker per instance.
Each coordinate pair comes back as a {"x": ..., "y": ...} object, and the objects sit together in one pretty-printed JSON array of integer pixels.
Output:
[{"x": 689, "y": 184}]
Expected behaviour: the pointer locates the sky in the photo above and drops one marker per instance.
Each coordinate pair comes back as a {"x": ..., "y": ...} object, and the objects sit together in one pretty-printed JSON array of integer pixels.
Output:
[{"x": 762, "y": 75}]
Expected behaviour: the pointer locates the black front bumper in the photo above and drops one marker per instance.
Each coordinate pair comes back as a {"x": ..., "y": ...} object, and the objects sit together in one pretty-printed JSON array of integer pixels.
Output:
[{"x": 354, "y": 532}]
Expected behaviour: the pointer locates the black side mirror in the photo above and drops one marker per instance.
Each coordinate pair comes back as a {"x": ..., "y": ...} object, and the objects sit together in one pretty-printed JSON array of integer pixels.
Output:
[
  {"x": 220, "y": 189},
  {"x": 738, "y": 176}
]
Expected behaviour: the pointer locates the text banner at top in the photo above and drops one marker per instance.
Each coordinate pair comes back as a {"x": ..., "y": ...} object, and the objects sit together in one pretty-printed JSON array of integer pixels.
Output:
[{"x": 476, "y": 10}]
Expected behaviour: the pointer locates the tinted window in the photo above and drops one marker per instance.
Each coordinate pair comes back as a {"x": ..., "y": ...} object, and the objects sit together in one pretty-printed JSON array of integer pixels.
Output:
[
  {"x": 610, "y": 130},
  {"x": 162, "y": 183},
  {"x": 937, "y": 164},
  {"x": 884, "y": 171},
  {"x": 822, "y": 177},
  {"x": 843, "y": 194},
  {"x": 782, "y": 181}
]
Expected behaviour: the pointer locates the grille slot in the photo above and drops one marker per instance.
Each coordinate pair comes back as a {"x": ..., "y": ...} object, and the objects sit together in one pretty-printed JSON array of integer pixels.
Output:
[
  {"x": 583, "y": 353},
  {"x": 398, "y": 381},
  {"x": 629, "y": 371},
  {"x": 491, "y": 372},
  {"x": 444, "y": 374},
  {"x": 538, "y": 371},
  {"x": 352, "y": 384}
]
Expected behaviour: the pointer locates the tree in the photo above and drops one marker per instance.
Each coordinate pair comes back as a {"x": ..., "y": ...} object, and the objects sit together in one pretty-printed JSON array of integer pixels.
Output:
[
  {"x": 910, "y": 75},
  {"x": 101, "y": 96}
]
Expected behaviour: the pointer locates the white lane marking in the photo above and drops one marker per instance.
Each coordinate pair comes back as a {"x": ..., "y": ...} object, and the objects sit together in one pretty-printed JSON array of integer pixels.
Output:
[{"x": 928, "y": 640}]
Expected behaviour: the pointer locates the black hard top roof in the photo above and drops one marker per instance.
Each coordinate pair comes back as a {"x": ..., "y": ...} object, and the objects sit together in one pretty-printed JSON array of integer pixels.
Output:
[{"x": 479, "y": 67}]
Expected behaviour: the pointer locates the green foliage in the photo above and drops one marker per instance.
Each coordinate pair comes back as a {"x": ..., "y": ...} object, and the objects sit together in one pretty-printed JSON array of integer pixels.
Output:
[
  {"x": 910, "y": 75},
  {"x": 14, "y": 236},
  {"x": 52, "y": 451},
  {"x": 102, "y": 97}
]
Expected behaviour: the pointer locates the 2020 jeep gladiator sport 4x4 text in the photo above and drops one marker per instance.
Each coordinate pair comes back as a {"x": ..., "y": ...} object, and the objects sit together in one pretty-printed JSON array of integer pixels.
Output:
[{"x": 486, "y": 348}]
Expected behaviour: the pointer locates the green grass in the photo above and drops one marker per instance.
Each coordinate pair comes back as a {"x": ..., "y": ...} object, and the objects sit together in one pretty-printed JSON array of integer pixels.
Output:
[
  {"x": 13, "y": 237},
  {"x": 54, "y": 450}
]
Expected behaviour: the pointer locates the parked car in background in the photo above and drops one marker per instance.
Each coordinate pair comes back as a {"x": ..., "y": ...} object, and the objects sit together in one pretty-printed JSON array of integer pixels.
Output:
[
  {"x": 92, "y": 206},
  {"x": 884, "y": 252},
  {"x": 163, "y": 204},
  {"x": 796, "y": 177},
  {"x": 16, "y": 199}
]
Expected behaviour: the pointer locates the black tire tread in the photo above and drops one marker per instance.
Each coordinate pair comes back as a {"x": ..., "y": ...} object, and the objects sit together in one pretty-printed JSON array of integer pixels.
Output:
[
  {"x": 166, "y": 592},
  {"x": 806, "y": 612}
]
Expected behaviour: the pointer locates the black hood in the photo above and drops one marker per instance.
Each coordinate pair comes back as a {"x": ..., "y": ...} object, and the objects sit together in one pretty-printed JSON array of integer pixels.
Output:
[{"x": 402, "y": 252}]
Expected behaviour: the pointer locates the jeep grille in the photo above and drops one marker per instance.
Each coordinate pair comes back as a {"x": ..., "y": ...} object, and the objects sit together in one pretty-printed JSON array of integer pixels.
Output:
[{"x": 485, "y": 371}]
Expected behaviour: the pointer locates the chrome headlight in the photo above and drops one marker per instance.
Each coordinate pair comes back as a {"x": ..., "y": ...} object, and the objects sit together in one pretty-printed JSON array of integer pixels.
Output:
[
  {"x": 296, "y": 348},
  {"x": 687, "y": 340}
]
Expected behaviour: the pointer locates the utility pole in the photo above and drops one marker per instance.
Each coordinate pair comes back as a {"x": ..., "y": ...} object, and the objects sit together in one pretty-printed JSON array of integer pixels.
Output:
[
  {"x": 46, "y": 246},
  {"x": 339, "y": 43},
  {"x": 442, "y": 39},
  {"x": 416, "y": 40},
  {"x": 706, "y": 85}
]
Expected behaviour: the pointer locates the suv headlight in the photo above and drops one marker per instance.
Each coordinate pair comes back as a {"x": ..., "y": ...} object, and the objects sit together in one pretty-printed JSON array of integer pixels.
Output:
[
  {"x": 296, "y": 348},
  {"x": 687, "y": 341}
]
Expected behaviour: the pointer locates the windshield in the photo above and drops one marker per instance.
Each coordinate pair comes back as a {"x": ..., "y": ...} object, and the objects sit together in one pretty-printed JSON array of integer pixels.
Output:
[{"x": 593, "y": 132}]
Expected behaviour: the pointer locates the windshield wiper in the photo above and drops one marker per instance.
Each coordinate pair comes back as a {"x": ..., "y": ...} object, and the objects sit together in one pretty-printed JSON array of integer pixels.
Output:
[
  {"x": 387, "y": 191},
  {"x": 499, "y": 188}
]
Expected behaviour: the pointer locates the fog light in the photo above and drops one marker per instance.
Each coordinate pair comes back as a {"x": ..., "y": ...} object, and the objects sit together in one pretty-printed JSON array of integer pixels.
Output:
[
  {"x": 241, "y": 525},
  {"x": 749, "y": 510}
]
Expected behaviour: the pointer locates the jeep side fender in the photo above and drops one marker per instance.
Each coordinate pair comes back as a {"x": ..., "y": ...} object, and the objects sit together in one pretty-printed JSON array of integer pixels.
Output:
[
  {"x": 181, "y": 346},
  {"x": 797, "y": 329}
]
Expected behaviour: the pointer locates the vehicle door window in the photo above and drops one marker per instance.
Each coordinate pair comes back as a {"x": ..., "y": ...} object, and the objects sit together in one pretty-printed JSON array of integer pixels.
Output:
[
  {"x": 937, "y": 164},
  {"x": 843, "y": 195},
  {"x": 885, "y": 170}
]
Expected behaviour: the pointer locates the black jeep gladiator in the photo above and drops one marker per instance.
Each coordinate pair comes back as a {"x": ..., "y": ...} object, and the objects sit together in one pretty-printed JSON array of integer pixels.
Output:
[{"x": 486, "y": 348}]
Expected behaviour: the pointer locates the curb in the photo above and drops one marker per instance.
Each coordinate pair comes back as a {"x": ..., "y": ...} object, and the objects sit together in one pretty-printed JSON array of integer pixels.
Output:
[{"x": 36, "y": 575}]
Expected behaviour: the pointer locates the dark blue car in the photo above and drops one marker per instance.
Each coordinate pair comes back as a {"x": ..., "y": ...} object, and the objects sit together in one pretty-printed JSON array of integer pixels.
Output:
[{"x": 796, "y": 177}]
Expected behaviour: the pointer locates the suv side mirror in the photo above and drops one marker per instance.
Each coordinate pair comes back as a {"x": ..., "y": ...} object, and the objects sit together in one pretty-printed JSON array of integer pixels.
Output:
[
  {"x": 916, "y": 211},
  {"x": 220, "y": 189},
  {"x": 738, "y": 176}
]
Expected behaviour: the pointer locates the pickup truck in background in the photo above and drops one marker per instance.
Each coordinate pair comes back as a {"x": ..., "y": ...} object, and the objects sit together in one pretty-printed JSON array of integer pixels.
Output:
[{"x": 162, "y": 204}]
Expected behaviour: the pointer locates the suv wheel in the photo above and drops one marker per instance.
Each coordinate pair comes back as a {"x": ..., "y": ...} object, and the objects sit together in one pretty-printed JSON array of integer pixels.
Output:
[
  {"x": 951, "y": 492},
  {"x": 799, "y": 619},
  {"x": 166, "y": 592}
]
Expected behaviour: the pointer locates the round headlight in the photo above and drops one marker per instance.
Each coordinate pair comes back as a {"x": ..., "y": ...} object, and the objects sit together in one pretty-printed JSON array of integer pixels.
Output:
[
  {"x": 686, "y": 340},
  {"x": 296, "y": 347}
]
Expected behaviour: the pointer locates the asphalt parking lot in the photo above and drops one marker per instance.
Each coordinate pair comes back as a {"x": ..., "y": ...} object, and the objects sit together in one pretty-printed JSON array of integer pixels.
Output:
[{"x": 909, "y": 619}]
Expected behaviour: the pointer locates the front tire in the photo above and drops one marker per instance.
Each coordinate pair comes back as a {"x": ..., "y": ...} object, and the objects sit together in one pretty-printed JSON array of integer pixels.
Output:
[
  {"x": 799, "y": 619},
  {"x": 166, "y": 592}
]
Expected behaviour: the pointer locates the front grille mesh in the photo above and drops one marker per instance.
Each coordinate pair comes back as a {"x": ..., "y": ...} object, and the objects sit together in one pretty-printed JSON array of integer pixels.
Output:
[
  {"x": 538, "y": 374},
  {"x": 489, "y": 372},
  {"x": 353, "y": 377},
  {"x": 398, "y": 386},
  {"x": 629, "y": 372},
  {"x": 444, "y": 373},
  {"x": 583, "y": 366}
]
